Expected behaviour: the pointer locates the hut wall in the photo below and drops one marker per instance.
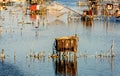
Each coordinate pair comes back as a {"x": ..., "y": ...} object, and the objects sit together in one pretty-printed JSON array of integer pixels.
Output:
[{"x": 66, "y": 45}]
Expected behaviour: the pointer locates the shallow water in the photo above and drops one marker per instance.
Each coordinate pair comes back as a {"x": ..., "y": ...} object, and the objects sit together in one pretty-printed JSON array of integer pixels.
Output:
[{"x": 94, "y": 36}]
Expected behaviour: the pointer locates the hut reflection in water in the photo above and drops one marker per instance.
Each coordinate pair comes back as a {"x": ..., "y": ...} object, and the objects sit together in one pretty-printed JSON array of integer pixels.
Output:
[{"x": 65, "y": 67}]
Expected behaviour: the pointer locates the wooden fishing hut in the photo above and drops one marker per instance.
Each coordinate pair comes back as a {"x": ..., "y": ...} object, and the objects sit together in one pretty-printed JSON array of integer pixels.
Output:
[
  {"x": 68, "y": 65},
  {"x": 66, "y": 44}
]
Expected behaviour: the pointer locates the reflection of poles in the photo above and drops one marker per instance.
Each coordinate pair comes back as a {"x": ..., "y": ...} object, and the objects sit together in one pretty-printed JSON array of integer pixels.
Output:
[
  {"x": 14, "y": 57},
  {"x": 3, "y": 60},
  {"x": 0, "y": 29},
  {"x": 112, "y": 56},
  {"x": 36, "y": 33},
  {"x": 21, "y": 31},
  {"x": 76, "y": 28},
  {"x": 2, "y": 56},
  {"x": 106, "y": 24},
  {"x": 112, "y": 64},
  {"x": 65, "y": 67},
  {"x": 112, "y": 49}
]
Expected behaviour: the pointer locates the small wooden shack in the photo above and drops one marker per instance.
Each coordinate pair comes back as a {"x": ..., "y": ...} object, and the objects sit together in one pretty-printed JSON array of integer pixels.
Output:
[{"x": 66, "y": 44}]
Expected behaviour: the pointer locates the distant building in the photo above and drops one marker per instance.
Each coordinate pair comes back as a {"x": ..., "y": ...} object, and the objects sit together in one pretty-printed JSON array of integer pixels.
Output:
[
  {"x": 12, "y": 0},
  {"x": 37, "y": 1}
]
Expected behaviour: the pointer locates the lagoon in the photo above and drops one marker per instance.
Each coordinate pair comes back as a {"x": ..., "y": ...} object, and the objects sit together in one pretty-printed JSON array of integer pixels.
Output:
[{"x": 19, "y": 39}]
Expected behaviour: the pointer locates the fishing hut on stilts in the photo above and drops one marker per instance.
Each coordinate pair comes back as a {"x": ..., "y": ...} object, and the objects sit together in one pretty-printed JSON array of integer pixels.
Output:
[
  {"x": 62, "y": 49},
  {"x": 64, "y": 46}
]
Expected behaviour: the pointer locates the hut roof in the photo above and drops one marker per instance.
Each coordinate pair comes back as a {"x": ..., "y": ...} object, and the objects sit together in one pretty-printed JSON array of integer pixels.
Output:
[{"x": 66, "y": 37}]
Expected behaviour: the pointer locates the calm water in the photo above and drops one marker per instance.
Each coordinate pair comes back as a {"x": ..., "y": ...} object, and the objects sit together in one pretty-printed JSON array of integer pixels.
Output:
[{"x": 93, "y": 37}]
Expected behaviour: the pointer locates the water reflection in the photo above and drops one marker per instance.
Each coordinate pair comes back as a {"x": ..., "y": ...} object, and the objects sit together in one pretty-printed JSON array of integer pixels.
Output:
[
  {"x": 65, "y": 67},
  {"x": 37, "y": 33},
  {"x": 112, "y": 64},
  {"x": 21, "y": 33},
  {"x": 2, "y": 60},
  {"x": 2, "y": 56},
  {"x": 87, "y": 24},
  {"x": 57, "y": 22},
  {"x": 110, "y": 26},
  {"x": 0, "y": 35}
]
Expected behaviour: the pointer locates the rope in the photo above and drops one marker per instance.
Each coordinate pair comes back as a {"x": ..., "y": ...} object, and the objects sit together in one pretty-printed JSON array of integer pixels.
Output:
[{"x": 68, "y": 8}]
